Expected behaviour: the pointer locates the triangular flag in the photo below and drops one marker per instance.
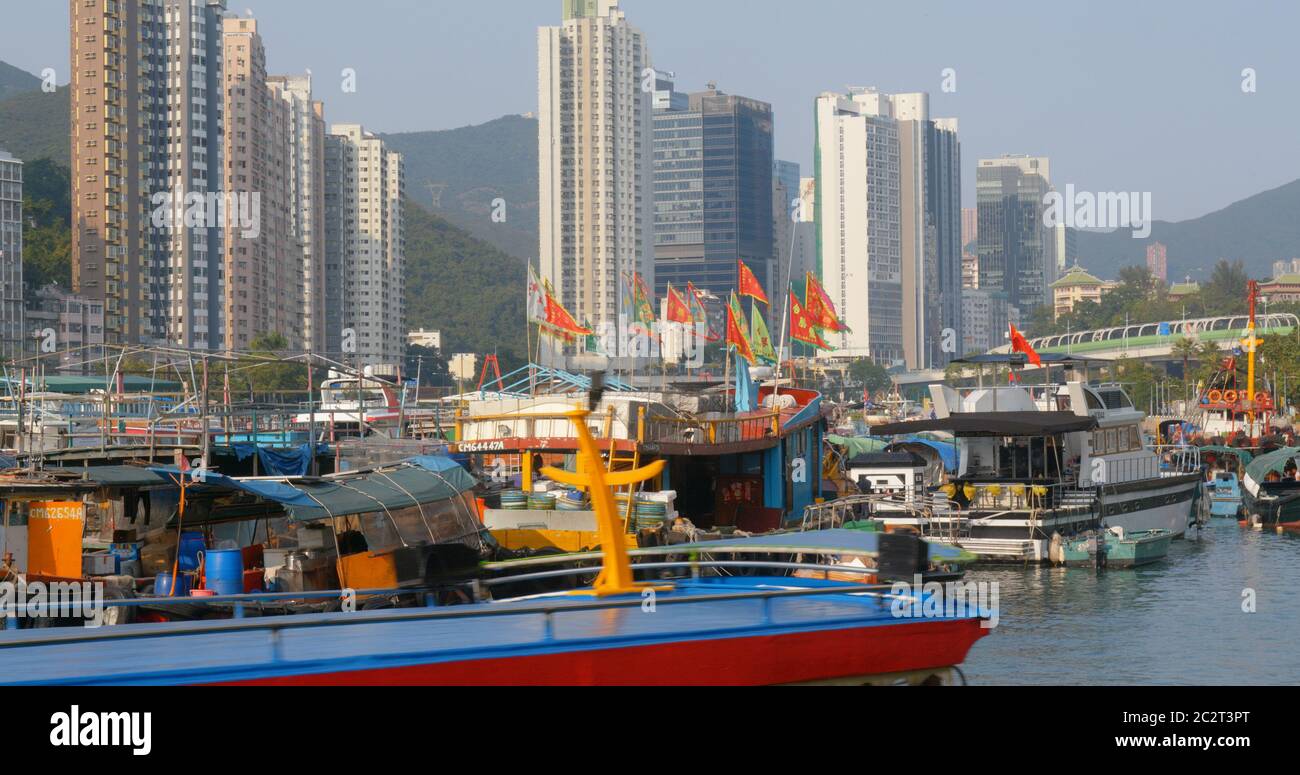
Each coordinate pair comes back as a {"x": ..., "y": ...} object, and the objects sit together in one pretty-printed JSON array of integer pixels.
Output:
[
  {"x": 801, "y": 327},
  {"x": 748, "y": 284},
  {"x": 558, "y": 318},
  {"x": 1021, "y": 345},
  {"x": 759, "y": 338},
  {"x": 736, "y": 332},
  {"x": 820, "y": 309},
  {"x": 678, "y": 311}
]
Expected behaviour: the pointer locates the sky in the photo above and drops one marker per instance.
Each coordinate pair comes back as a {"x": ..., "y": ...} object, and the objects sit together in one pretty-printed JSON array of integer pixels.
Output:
[{"x": 1133, "y": 95}]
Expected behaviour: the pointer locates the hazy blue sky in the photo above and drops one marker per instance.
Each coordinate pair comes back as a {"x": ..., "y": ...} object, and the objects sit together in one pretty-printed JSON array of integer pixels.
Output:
[{"x": 1139, "y": 95}]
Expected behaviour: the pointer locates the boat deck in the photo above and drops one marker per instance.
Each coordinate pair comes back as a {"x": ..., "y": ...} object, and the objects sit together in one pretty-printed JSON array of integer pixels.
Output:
[{"x": 715, "y": 631}]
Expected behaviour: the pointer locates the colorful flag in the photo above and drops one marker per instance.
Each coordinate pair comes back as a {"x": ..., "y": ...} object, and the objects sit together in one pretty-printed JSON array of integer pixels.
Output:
[
  {"x": 536, "y": 298},
  {"x": 736, "y": 331},
  {"x": 801, "y": 327},
  {"x": 559, "y": 319},
  {"x": 1021, "y": 345},
  {"x": 642, "y": 302},
  {"x": 759, "y": 338},
  {"x": 749, "y": 285},
  {"x": 820, "y": 309},
  {"x": 698, "y": 313},
  {"x": 678, "y": 311}
]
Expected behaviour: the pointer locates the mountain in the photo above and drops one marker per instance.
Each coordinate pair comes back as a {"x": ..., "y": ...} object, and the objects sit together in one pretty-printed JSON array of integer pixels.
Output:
[
  {"x": 14, "y": 81},
  {"x": 1257, "y": 230},
  {"x": 458, "y": 173},
  {"x": 35, "y": 125},
  {"x": 469, "y": 290}
]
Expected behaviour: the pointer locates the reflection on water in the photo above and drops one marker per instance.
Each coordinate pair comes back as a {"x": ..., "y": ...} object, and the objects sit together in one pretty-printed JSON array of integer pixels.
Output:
[{"x": 1176, "y": 622}]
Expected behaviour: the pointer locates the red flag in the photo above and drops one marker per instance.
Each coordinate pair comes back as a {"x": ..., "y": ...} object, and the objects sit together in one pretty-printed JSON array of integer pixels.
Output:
[
  {"x": 1020, "y": 344},
  {"x": 678, "y": 311},
  {"x": 736, "y": 336},
  {"x": 801, "y": 328},
  {"x": 748, "y": 284},
  {"x": 558, "y": 317},
  {"x": 820, "y": 309}
]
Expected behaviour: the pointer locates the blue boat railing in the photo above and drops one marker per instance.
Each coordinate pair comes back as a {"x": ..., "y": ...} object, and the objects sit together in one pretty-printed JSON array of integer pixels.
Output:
[{"x": 548, "y": 609}]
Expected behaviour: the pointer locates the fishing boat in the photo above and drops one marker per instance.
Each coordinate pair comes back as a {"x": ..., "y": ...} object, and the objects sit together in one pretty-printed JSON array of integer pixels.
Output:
[
  {"x": 1270, "y": 490},
  {"x": 1224, "y": 491},
  {"x": 690, "y": 628},
  {"x": 361, "y": 405},
  {"x": 1131, "y": 550},
  {"x": 1059, "y": 459}
]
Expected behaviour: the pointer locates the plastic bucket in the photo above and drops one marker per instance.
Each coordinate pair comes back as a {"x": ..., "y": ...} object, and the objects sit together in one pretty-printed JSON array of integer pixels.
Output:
[
  {"x": 223, "y": 571},
  {"x": 162, "y": 585}
]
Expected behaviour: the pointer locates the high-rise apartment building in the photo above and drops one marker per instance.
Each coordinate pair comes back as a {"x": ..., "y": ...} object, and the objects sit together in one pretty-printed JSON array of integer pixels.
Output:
[
  {"x": 1158, "y": 261},
  {"x": 307, "y": 192},
  {"x": 1016, "y": 248},
  {"x": 12, "y": 329},
  {"x": 713, "y": 188},
  {"x": 595, "y": 157},
  {"x": 889, "y": 215},
  {"x": 146, "y": 124},
  {"x": 365, "y": 247},
  {"x": 858, "y": 216},
  {"x": 263, "y": 265}
]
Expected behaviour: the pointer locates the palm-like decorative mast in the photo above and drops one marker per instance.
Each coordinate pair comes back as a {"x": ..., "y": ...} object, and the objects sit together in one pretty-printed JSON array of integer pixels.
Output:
[{"x": 615, "y": 577}]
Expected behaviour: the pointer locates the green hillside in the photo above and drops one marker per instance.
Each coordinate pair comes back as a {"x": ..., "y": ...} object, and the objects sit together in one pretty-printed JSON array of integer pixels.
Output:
[
  {"x": 35, "y": 125},
  {"x": 1257, "y": 231},
  {"x": 469, "y": 290},
  {"x": 457, "y": 174},
  {"x": 14, "y": 81}
]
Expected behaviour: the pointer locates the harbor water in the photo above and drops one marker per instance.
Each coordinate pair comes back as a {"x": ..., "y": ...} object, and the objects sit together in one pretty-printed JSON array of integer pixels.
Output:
[{"x": 1177, "y": 622}]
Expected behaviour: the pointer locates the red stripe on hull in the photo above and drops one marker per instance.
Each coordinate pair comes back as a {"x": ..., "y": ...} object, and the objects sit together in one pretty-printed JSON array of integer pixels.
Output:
[{"x": 764, "y": 660}]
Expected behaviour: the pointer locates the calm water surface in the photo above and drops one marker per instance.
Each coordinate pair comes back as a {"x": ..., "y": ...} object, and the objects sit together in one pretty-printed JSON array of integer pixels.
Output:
[{"x": 1176, "y": 622}]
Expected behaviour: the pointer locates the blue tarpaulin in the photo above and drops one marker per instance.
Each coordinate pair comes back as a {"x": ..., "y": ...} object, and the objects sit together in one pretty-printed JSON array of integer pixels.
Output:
[{"x": 295, "y": 462}]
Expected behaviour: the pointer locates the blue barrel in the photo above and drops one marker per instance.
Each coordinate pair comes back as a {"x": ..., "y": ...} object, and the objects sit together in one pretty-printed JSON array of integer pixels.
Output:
[
  {"x": 162, "y": 585},
  {"x": 190, "y": 547},
  {"x": 224, "y": 571}
]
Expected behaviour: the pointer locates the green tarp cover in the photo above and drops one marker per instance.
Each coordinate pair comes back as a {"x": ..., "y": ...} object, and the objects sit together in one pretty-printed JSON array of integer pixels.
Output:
[
  {"x": 1262, "y": 466},
  {"x": 858, "y": 445}
]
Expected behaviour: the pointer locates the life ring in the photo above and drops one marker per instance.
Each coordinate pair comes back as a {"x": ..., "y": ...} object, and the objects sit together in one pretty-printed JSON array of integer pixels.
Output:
[
  {"x": 1261, "y": 397},
  {"x": 1216, "y": 396},
  {"x": 1230, "y": 396}
]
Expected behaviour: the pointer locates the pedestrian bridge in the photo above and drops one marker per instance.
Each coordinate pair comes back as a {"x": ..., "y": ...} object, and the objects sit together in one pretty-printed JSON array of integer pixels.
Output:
[{"x": 1156, "y": 340}]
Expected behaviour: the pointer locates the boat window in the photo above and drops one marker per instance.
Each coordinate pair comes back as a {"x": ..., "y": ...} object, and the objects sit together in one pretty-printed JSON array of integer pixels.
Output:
[
  {"x": 1116, "y": 399},
  {"x": 1134, "y": 438},
  {"x": 1093, "y": 401}
]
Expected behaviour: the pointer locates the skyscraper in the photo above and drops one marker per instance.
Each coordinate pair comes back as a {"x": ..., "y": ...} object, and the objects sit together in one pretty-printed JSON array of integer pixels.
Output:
[
  {"x": 365, "y": 244},
  {"x": 146, "y": 122},
  {"x": 307, "y": 188},
  {"x": 903, "y": 216},
  {"x": 713, "y": 191},
  {"x": 1016, "y": 248},
  {"x": 263, "y": 270},
  {"x": 595, "y": 157},
  {"x": 1158, "y": 261},
  {"x": 12, "y": 331}
]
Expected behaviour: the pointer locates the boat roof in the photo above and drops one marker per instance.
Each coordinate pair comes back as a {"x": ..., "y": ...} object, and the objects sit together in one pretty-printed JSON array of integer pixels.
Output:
[
  {"x": 1273, "y": 462},
  {"x": 84, "y": 385},
  {"x": 1028, "y": 423},
  {"x": 1020, "y": 359}
]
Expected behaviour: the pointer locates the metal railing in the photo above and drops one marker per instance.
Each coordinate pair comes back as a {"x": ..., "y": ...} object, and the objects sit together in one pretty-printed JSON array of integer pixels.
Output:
[{"x": 725, "y": 429}]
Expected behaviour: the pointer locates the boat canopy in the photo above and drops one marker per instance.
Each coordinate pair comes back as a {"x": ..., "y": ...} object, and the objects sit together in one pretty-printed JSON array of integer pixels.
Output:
[
  {"x": 1244, "y": 456},
  {"x": 412, "y": 483},
  {"x": 1274, "y": 462},
  {"x": 1031, "y": 423}
]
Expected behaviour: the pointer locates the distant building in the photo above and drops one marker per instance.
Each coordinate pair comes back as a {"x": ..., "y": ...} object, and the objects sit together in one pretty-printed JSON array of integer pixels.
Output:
[
  {"x": 596, "y": 159},
  {"x": 431, "y": 340},
  {"x": 1180, "y": 291},
  {"x": 78, "y": 325},
  {"x": 713, "y": 190},
  {"x": 1075, "y": 287},
  {"x": 1158, "y": 261},
  {"x": 1016, "y": 248},
  {"x": 12, "y": 329},
  {"x": 1286, "y": 267},
  {"x": 1283, "y": 288},
  {"x": 1067, "y": 247},
  {"x": 986, "y": 318},
  {"x": 365, "y": 276},
  {"x": 970, "y": 270},
  {"x": 969, "y": 226}
]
